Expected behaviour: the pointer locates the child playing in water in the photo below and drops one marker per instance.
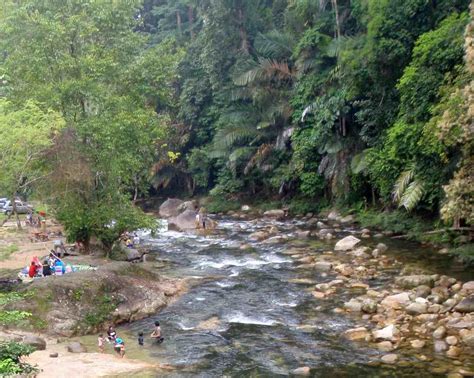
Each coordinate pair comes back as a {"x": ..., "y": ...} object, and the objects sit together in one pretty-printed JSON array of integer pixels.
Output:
[
  {"x": 141, "y": 340},
  {"x": 119, "y": 347},
  {"x": 100, "y": 343}
]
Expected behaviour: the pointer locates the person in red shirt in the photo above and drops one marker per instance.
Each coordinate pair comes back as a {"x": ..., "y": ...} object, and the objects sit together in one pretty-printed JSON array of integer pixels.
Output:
[{"x": 33, "y": 269}]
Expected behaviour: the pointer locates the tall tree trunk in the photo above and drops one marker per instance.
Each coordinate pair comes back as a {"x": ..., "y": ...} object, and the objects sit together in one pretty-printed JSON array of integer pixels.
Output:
[
  {"x": 243, "y": 33},
  {"x": 336, "y": 12},
  {"x": 178, "y": 21},
  {"x": 14, "y": 211},
  {"x": 191, "y": 21}
]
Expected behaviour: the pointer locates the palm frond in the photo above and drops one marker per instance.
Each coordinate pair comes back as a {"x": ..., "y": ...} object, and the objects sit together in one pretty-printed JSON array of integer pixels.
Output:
[
  {"x": 359, "y": 162},
  {"x": 266, "y": 69},
  {"x": 412, "y": 195},
  {"x": 259, "y": 157},
  {"x": 401, "y": 184},
  {"x": 239, "y": 154},
  {"x": 228, "y": 136},
  {"x": 274, "y": 44}
]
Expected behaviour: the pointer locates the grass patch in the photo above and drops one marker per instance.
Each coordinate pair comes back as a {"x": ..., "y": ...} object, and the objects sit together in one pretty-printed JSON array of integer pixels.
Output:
[
  {"x": 103, "y": 307},
  {"x": 7, "y": 250}
]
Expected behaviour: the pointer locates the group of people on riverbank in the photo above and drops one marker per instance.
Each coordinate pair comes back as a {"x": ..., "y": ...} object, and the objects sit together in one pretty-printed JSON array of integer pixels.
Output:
[{"x": 119, "y": 344}]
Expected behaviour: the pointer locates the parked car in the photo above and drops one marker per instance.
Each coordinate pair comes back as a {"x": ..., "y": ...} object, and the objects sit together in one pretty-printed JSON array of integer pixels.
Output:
[
  {"x": 21, "y": 207},
  {"x": 3, "y": 201}
]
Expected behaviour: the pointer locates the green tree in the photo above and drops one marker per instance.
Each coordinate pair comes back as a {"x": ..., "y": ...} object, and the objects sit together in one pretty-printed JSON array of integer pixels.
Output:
[{"x": 26, "y": 135}]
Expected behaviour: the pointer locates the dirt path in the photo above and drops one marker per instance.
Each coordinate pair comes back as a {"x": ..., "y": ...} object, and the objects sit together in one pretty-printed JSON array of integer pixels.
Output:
[{"x": 26, "y": 249}]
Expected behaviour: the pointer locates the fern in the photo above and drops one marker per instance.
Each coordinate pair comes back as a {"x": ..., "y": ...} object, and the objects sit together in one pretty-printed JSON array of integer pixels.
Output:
[
  {"x": 401, "y": 185},
  {"x": 412, "y": 195}
]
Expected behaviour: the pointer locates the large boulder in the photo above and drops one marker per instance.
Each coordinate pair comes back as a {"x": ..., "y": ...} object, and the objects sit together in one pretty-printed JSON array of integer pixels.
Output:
[
  {"x": 132, "y": 254},
  {"x": 277, "y": 213},
  {"x": 170, "y": 208},
  {"x": 346, "y": 244},
  {"x": 410, "y": 282},
  {"x": 76, "y": 347},
  {"x": 36, "y": 342},
  {"x": 184, "y": 221},
  {"x": 188, "y": 205},
  {"x": 466, "y": 305}
]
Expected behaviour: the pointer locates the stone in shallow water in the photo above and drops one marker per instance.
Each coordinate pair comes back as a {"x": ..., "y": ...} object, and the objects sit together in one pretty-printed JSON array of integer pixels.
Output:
[
  {"x": 396, "y": 301},
  {"x": 323, "y": 266},
  {"x": 385, "y": 346},
  {"x": 355, "y": 334},
  {"x": 387, "y": 333},
  {"x": 454, "y": 351},
  {"x": 452, "y": 340},
  {"x": 409, "y": 282},
  {"x": 423, "y": 291},
  {"x": 417, "y": 344},
  {"x": 468, "y": 286},
  {"x": 467, "y": 337},
  {"x": 389, "y": 358},
  {"x": 76, "y": 347},
  {"x": 305, "y": 370},
  {"x": 439, "y": 332},
  {"x": 440, "y": 346},
  {"x": 416, "y": 308},
  {"x": 353, "y": 305},
  {"x": 347, "y": 243}
]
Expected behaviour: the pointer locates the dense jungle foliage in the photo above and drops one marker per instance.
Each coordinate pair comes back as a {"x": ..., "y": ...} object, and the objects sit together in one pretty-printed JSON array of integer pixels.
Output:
[{"x": 317, "y": 101}]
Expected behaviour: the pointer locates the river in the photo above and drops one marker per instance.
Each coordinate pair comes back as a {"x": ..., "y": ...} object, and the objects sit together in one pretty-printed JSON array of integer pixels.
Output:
[{"x": 253, "y": 315}]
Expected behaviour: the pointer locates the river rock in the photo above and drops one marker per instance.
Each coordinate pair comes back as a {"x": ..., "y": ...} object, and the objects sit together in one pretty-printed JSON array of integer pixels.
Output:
[
  {"x": 334, "y": 216},
  {"x": 385, "y": 346},
  {"x": 369, "y": 306},
  {"x": 258, "y": 236},
  {"x": 302, "y": 234},
  {"x": 245, "y": 208},
  {"x": 416, "y": 308},
  {"x": 396, "y": 301},
  {"x": 305, "y": 370},
  {"x": 346, "y": 244},
  {"x": 76, "y": 347},
  {"x": 356, "y": 334},
  {"x": 353, "y": 305},
  {"x": 439, "y": 332},
  {"x": 188, "y": 205},
  {"x": 409, "y": 282},
  {"x": 275, "y": 213},
  {"x": 452, "y": 340},
  {"x": 320, "y": 224},
  {"x": 417, "y": 344},
  {"x": 132, "y": 254},
  {"x": 467, "y": 336},
  {"x": 323, "y": 266},
  {"x": 184, "y": 221},
  {"x": 387, "y": 333},
  {"x": 389, "y": 358},
  {"x": 468, "y": 286},
  {"x": 453, "y": 352},
  {"x": 381, "y": 247},
  {"x": 170, "y": 208},
  {"x": 347, "y": 219},
  {"x": 36, "y": 342},
  {"x": 466, "y": 305},
  {"x": 54, "y": 355},
  {"x": 440, "y": 346},
  {"x": 423, "y": 291}
]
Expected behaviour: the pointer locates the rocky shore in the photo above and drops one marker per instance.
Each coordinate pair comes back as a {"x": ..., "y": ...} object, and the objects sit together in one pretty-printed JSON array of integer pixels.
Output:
[
  {"x": 85, "y": 302},
  {"x": 412, "y": 317}
]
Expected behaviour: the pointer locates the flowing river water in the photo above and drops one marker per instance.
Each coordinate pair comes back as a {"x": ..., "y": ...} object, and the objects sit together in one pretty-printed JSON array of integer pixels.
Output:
[{"x": 253, "y": 314}]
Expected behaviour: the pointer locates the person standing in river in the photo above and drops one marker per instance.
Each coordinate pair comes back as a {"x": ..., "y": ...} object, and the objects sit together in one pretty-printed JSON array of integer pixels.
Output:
[{"x": 156, "y": 334}]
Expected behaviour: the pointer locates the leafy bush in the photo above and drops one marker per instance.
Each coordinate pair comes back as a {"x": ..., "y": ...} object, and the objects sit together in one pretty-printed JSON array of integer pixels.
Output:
[
  {"x": 222, "y": 205},
  {"x": 10, "y": 363}
]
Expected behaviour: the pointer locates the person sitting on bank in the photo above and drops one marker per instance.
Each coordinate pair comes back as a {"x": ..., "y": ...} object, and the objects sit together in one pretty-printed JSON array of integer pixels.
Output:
[{"x": 59, "y": 247}]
